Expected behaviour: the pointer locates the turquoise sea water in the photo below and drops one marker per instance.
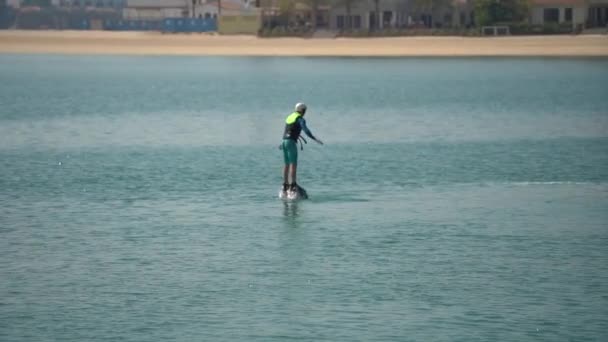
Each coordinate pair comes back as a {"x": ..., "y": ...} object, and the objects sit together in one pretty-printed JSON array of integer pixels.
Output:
[{"x": 454, "y": 200}]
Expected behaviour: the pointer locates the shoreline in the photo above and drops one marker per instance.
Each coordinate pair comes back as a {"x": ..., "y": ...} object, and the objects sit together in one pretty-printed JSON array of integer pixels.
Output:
[{"x": 159, "y": 44}]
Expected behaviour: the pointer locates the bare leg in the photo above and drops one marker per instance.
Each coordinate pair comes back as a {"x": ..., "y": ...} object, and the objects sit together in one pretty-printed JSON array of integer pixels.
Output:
[
  {"x": 286, "y": 174},
  {"x": 294, "y": 168}
]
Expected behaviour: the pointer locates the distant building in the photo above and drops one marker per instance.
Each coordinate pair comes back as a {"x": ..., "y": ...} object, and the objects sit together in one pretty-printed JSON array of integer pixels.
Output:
[
  {"x": 463, "y": 15},
  {"x": 558, "y": 12},
  {"x": 300, "y": 14},
  {"x": 89, "y": 3},
  {"x": 584, "y": 13},
  {"x": 399, "y": 14},
  {"x": 209, "y": 8},
  {"x": 156, "y": 9}
]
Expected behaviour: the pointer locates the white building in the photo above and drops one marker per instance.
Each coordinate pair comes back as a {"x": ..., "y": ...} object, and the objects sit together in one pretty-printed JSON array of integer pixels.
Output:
[
  {"x": 156, "y": 9},
  {"x": 584, "y": 13},
  {"x": 399, "y": 14},
  {"x": 559, "y": 12}
]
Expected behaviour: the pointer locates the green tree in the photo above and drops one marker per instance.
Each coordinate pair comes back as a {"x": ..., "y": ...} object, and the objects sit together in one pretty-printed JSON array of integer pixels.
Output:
[
  {"x": 431, "y": 7},
  {"x": 286, "y": 8},
  {"x": 489, "y": 12}
]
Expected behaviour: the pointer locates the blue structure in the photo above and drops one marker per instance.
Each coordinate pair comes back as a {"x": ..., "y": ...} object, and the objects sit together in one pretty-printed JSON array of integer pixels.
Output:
[
  {"x": 177, "y": 25},
  {"x": 79, "y": 24},
  {"x": 132, "y": 25},
  {"x": 92, "y": 3},
  {"x": 173, "y": 25}
]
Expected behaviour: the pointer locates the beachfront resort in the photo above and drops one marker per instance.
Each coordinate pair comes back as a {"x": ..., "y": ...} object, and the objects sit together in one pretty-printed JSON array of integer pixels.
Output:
[{"x": 313, "y": 18}]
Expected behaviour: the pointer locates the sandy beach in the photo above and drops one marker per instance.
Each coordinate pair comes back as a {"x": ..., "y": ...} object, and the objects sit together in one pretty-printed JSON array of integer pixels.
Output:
[{"x": 155, "y": 43}]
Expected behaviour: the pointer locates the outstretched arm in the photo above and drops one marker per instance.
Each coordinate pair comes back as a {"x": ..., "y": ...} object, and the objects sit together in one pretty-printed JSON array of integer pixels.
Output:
[{"x": 308, "y": 132}]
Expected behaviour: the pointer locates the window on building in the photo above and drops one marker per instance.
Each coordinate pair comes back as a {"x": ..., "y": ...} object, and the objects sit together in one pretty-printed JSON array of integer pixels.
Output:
[
  {"x": 447, "y": 19},
  {"x": 372, "y": 20},
  {"x": 321, "y": 20},
  {"x": 356, "y": 21},
  {"x": 427, "y": 20},
  {"x": 551, "y": 15},
  {"x": 340, "y": 22},
  {"x": 387, "y": 18},
  {"x": 568, "y": 15}
]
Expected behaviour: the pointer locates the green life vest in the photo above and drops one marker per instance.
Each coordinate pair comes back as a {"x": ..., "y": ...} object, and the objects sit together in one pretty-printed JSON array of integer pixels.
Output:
[{"x": 292, "y": 126}]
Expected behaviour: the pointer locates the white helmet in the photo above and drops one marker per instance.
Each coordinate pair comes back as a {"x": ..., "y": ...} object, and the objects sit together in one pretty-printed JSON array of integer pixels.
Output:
[{"x": 300, "y": 107}]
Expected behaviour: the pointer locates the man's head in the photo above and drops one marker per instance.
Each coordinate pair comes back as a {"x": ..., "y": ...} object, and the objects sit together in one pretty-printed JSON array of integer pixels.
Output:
[{"x": 300, "y": 108}]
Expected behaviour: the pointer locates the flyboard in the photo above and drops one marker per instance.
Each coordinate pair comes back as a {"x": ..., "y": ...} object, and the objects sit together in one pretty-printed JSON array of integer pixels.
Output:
[{"x": 292, "y": 195}]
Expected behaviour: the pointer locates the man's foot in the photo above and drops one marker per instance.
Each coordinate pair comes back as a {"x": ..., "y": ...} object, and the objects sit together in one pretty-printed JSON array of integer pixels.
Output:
[
  {"x": 293, "y": 187},
  {"x": 285, "y": 187}
]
